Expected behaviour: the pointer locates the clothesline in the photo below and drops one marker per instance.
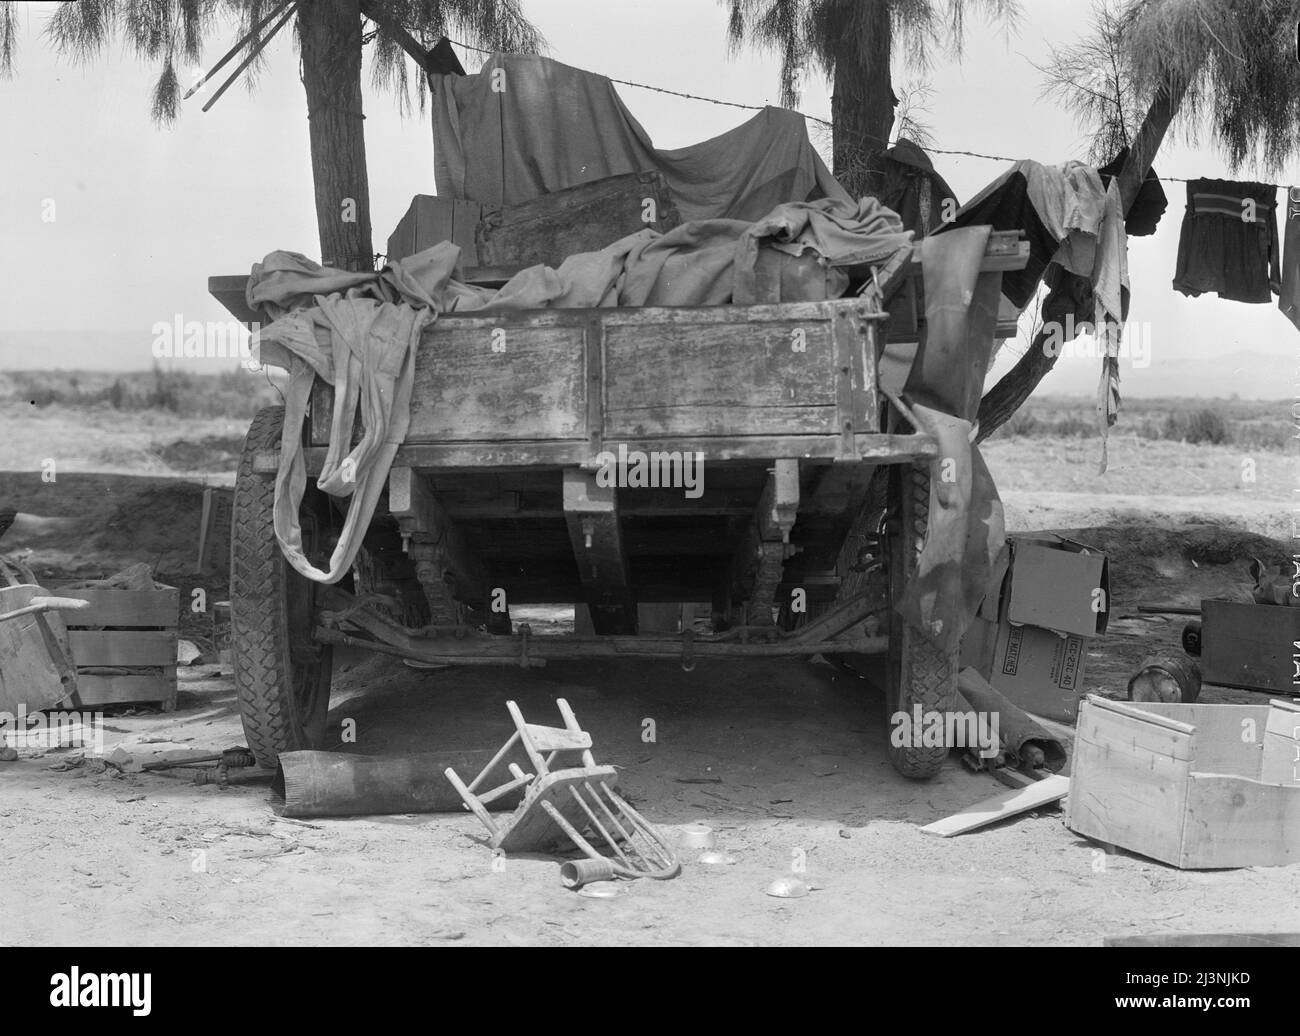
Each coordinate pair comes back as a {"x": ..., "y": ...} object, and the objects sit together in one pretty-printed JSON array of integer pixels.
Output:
[{"x": 825, "y": 122}]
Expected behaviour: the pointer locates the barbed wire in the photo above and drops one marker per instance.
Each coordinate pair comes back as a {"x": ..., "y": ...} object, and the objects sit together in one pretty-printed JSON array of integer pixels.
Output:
[{"x": 826, "y": 122}]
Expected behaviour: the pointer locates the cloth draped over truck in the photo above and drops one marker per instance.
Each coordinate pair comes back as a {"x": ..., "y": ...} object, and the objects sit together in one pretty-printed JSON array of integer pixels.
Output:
[
  {"x": 965, "y": 541},
  {"x": 524, "y": 126},
  {"x": 360, "y": 332}
]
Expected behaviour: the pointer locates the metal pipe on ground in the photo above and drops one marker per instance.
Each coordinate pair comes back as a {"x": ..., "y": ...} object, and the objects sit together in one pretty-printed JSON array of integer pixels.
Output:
[
  {"x": 332, "y": 784},
  {"x": 1018, "y": 734}
]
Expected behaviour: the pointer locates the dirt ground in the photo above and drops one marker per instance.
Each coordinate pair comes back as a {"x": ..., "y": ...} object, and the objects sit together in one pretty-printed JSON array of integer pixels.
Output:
[{"x": 784, "y": 760}]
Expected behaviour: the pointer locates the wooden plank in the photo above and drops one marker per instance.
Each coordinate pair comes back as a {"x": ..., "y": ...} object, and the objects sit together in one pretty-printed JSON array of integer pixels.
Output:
[
  {"x": 499, "y": 382},
  {"x": 1000, "y": 806},
  {"x": 1222, "y": 744},
  {"x": 1130, "y": 775},
  {"x": 1205, "y": 940},
  {"x": 595, "y": 534},
  {"x": 1280, "y": 755},
  {"x": 705, "y": 379},
  {"x": 556, "y": 739},
  {"x": 1238, "y": 822},
  {"x": 231, "y": 291},
  {"x": 123, "y": 648},
  {"x": 495, "y": 456},
  {"x": 584, "y": 218},
  {"x": 94, "y": 689},
  {"x": 113, "y": 607}
]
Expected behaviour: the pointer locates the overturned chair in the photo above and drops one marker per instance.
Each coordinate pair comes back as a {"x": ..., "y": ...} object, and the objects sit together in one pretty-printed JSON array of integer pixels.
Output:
[{"x": 569, "y": 798}]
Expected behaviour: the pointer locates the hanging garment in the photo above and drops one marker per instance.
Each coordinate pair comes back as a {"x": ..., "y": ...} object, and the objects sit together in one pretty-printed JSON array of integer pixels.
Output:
[
  {"x": 524, "y": 126},
  {"x": 1222, "y": 248},
  {"x": 1289, "y": 299},
  {"x": 914, "y": 190},
  {"x": 1150, "y": 204},
  {"x": 1061, "y": 211}
]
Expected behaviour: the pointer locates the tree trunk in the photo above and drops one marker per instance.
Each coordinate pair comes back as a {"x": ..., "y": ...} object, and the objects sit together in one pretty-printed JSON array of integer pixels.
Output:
[
  {"x": 330, "y": 31},
  {"x": 1016, "y": 386},
  {"x": 862, "y": 105}
]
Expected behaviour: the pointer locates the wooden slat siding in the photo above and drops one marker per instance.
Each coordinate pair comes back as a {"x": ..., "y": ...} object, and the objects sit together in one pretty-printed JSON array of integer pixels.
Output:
[
  {"x": 1129, "y": 779},
  {"x": 534, "y": 390},
  {"x": 157, "y": 609},
  {"x": 705, "y": 380},
  {"x": 1238, "y": 822},
  {"x": 1220, "y": 747},
  {"x": 594, "y": 371},
  {"x": 1280, "y": 755},
  {"x": 582, "y": 218},
  {"x": 159, "y": 686},
  {"x": 123, "y": 647},
  {"x": 488, "y": 457}
]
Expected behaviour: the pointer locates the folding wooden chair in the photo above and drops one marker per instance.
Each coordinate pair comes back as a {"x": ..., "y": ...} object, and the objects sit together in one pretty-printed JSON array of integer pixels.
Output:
[{"x": 569, "y": 797}]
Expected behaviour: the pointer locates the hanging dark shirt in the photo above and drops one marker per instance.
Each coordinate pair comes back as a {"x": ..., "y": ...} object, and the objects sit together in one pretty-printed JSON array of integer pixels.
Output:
[{"x": 1221, "y": 249}]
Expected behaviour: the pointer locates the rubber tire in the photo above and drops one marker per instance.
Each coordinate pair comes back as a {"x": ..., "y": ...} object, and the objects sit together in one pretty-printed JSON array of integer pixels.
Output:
[
  {"x": 919, "y": 673},
  {"x": 282, "y": 680}
]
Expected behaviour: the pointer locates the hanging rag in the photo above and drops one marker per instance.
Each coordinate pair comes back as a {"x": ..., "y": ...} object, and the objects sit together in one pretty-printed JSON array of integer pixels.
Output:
[
  {"x": 1077, "y": 242},
  {"x": 1229, "y": 241},
  {"x": 1289, "y": 299},
  {"x": 524, "y": 126}
]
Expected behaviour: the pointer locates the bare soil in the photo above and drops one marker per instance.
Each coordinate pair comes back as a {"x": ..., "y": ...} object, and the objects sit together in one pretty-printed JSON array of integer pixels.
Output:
[{"x": 784, "y": 760}]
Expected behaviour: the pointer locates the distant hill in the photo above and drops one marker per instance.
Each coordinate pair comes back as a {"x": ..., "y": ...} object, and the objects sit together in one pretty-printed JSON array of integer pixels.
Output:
[{"x": 1247, "y": 375}]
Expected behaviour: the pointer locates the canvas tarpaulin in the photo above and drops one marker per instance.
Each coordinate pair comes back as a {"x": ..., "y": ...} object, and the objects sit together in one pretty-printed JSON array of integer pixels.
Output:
[{"x": 524, "y": 126}]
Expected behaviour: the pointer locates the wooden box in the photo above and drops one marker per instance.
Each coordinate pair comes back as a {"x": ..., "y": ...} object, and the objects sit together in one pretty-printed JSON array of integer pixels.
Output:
[
  {"x": 124, "y": 646},
  {"x": 585, "y": 218},
  {"x": 1196, "y": 786},
  {"x": 34, "y": 669},
  {"x": 431, "y": 219},
  {"x": 1250, "y": 646}
]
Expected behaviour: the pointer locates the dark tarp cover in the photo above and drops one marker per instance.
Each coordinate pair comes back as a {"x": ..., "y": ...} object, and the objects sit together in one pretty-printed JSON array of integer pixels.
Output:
[{"x": 525, "y": 126}]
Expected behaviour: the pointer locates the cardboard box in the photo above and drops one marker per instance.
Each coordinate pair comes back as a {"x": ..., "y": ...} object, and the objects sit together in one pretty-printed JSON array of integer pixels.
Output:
[
  {"x": 1196, "y": 786},
  {"x": 431, "y": 219},
  {"x": 1030, "y": 640},
  {"x": 1251, "y": 646}
]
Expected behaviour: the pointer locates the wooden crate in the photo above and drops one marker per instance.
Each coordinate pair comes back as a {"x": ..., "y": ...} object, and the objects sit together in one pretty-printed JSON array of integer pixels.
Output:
[
  {"x": 135, "y": 629},
  {"x": 1197, "y": 786},
  {"x": 584, "y": 218}
]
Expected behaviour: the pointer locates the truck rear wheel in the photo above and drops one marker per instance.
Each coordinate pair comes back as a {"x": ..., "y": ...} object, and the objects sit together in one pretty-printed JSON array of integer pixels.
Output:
[
  {"x": 282, "y": 677},
  {"x": 919, "y": 672}
]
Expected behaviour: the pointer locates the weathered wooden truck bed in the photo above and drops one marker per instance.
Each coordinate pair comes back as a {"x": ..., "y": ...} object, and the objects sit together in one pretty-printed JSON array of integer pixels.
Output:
[{"x": 506, "y": 441}]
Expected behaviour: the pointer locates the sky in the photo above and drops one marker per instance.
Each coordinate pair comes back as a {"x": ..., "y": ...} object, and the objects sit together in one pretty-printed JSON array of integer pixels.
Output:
[{"x": 144, "y": 215}]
